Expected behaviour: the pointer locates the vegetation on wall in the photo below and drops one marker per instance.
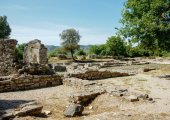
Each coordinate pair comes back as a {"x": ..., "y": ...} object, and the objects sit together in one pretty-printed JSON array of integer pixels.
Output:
[{"x": 19, "y": 51}]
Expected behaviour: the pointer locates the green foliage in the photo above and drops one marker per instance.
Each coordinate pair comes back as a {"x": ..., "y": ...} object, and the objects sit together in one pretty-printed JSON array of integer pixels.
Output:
[
  {"x": 70, "y": 38},
  {"x": 56, "y": 52},
  {"x": 138, "y": 52},
  {"x": 165, "y": 54},
  {"x": 19, "y": 51},
  {"x": 97, "y": 49},
  {"x": 144, "y": 23},
  {"x": 116, "y": 46},
  {"x": 5, "y": 29},
  {"x": 81, "y": 52}
]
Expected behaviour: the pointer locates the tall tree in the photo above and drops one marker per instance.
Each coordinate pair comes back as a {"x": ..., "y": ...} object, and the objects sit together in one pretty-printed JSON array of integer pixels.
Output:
[
  {"x": 5, "y": 29},
  {"x": 70, "y": 39},
  {"x": 147, "y": 22}
]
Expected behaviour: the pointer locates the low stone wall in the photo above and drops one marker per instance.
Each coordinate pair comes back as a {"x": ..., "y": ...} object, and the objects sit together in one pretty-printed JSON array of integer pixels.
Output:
[
  {"x": 26, "y": 82},
  {"x": 94, "y": 75}
]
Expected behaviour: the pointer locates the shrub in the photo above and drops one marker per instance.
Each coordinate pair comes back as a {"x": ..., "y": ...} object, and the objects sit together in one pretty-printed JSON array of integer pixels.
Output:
[{"x": 81, "y": 52}]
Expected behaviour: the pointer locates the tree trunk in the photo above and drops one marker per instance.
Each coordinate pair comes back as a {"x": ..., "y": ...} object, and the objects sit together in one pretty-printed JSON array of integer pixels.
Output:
[{"x": 72, "y": 52}]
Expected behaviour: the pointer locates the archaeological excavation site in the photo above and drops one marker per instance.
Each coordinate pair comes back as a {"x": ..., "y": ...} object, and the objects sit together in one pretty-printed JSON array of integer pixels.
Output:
[
  {"x": 84, "y": 59},
  {"x": 105, "y": 89}
]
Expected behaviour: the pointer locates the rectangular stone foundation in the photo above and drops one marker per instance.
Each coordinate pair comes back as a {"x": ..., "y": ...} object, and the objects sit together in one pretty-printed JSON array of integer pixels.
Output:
[{"x": 27, "y": 82}]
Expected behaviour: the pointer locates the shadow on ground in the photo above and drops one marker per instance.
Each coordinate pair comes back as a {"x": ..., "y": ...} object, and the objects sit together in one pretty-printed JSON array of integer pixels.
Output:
[{"x": 12, "y": 104}]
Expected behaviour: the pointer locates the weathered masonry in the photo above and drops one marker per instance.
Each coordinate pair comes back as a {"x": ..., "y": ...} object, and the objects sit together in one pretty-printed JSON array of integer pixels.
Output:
[
  {"x": 7, "y": 56},
  {"x": 35, "y": 52},
  {"x": 26, "y": 82}
]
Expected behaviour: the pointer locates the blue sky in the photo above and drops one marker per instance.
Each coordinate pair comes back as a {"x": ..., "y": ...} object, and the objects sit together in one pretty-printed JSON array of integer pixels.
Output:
[{"x": 46, "y": 19}]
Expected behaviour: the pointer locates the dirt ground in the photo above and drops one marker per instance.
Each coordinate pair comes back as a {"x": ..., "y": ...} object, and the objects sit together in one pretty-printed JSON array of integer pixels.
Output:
[{"x": 105, "y": 106}]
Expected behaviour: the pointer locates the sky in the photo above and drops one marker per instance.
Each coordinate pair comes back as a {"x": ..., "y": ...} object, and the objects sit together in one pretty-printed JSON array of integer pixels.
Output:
[{"x": 95, "y": 20}]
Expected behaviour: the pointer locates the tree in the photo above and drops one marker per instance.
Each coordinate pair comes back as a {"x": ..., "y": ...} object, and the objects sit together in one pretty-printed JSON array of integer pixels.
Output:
[
  {"x": 147, "y": 22},
  {"x": 116, "y": 46},
  {"x": 5, "y": 29},
  {"x": 70, "y": 38}
]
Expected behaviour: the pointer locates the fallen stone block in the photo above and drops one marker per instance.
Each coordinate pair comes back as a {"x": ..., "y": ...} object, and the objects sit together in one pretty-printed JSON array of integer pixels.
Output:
[
  {"x": 85, "y": 97},
  {"x": 73, "y": 110}
]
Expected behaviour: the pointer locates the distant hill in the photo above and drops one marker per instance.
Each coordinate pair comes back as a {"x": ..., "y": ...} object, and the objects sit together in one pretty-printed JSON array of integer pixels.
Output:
[
  {"x": 52, "y": 47},
  {"x": 85, "y": 47}
]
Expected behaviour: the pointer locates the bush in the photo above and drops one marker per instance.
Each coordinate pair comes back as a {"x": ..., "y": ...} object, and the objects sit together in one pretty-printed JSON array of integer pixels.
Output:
[
  {"x": 99, "y": 50},
  {"x": 81, "y": 52}
]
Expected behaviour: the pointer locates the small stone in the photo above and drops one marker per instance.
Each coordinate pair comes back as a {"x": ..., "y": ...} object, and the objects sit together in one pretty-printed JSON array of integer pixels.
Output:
[
  {"x": 74, "y": 110},
  {"x": 145, "y": 96},
  {"x": 46, "y": 112},
  {"x": 133, "y": 98},
  {"x": 91, "y": 107},
  {"x": 150, "y": 99}
]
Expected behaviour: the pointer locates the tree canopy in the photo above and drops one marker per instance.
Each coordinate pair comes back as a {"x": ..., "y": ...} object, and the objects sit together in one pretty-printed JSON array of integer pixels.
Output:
[
  {"x": 70, "y": 39},
  {"x": 5, "y": 29},
  {"x": 147, "y": 22}
]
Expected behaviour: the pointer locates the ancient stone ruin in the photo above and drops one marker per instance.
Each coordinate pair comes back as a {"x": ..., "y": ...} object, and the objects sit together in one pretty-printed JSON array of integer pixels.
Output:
[
  {"x": 7, "y": 56},
  {"x": 35, "y": 52},
  {"x": 34, "y": 73}
]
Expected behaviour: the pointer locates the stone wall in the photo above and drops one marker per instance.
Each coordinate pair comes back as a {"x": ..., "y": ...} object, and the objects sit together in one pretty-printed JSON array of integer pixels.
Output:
[
  {"x": 95, "y": 74},
  {"x": 26, "y": 82},
  {"x": 7, "y": 56},
  {"x": 35, "y": 52}
]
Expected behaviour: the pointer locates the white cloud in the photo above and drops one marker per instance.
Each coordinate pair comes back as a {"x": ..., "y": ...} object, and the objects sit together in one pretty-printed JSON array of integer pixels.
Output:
[{"x": 49, "y": 34}]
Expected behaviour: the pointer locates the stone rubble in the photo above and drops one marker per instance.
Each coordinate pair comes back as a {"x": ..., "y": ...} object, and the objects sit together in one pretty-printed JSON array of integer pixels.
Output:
[
  {"x": 86, "y": 97},
  {"x": 73, "y": 110}
]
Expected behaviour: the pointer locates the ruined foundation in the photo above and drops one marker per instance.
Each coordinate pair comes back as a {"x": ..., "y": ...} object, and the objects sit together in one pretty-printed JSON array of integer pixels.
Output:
[{"x": 26, "y": 82}]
